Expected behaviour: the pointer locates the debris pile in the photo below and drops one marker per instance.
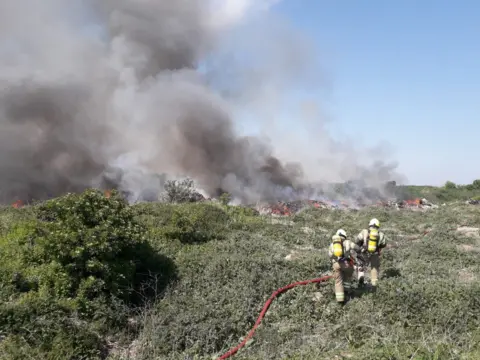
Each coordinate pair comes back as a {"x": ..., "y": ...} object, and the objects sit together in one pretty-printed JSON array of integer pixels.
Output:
[
  {"x": 290, "y": 208},
  {"x": 282, "y": 208},
  {"x": 408, "y": 204},
  {"x": 388, "y": 203},
  {"x": 416, "y": 203}
]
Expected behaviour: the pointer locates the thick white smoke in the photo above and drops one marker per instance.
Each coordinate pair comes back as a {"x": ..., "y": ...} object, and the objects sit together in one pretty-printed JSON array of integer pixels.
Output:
[{"x": 113, "y": 109}]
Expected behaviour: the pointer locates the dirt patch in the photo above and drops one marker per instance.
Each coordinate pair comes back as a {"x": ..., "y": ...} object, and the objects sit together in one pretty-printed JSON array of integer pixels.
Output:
[
  {"x": 410, "y": 237},
  {"x": 467, "y": 276},
  {"x": 469, "y": 231},
  {"x": 308, "y": 230},
  {"x": 132, "y": 351},
  {"x": 294, "y": 255},
  {"x": 280, "y": 221},
  {"x": 393, "y": 245},
  {"x": 305, "y": 248},
  {"x": 469, "y": 248}
]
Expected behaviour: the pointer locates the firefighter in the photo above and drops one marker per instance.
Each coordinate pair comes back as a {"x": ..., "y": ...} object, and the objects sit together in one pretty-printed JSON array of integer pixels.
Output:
[
  {"x": 371, "y": 241},
  {"x": 339, "y": 252}
]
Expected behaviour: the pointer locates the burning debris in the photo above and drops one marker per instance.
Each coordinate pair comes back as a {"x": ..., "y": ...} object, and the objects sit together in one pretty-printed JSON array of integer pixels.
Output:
[
  {"x": 17, "y": 204},
  {"x": 184, "y": 192},
  {"x": 418, "y": 203},
  {"x": 280, "y": 208},
  {"x": 290, "y": 208},
  {"x": 409, "y": 204}
]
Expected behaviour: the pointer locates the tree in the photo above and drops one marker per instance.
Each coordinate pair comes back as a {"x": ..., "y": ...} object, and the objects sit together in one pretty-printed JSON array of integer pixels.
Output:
[
  {"x": 476, "y": 184},
  {"x": 179, "y": 191},
  {"x": 450, "y": 185},
  {"x": 225, "y": 198}
]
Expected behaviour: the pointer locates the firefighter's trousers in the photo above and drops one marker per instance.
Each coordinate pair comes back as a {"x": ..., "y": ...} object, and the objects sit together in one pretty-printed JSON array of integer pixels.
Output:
[
  {"x": 342, "y": 274},
  {"x": 374, "y": 261}
]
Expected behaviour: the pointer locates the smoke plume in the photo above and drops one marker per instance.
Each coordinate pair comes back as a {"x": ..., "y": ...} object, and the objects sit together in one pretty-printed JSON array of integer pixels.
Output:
[{"x": 122, "y": 106}]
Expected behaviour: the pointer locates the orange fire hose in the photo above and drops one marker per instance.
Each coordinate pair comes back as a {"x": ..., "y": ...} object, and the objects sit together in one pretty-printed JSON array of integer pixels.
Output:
[{"x": 234, "y": 350}]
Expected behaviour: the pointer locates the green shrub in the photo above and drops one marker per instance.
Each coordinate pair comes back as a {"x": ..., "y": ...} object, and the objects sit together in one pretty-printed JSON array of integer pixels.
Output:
[
  {"x": 225, "y": 198},
  {"x": 179, "y": 191},
  {"x": 83, "y": 247},
  {"x": 450, "y": 185},
  {"x": 81, "y": 261},
  {"x": 37, "y": 327},
  {"x": 476, "y": 184},
  {"x": 197, "y": 223}
]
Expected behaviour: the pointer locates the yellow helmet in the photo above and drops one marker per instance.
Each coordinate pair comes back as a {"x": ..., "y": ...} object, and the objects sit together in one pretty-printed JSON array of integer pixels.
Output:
[
  {"x": 342, "y": 233},
  {"x": 374, "y": 223}
]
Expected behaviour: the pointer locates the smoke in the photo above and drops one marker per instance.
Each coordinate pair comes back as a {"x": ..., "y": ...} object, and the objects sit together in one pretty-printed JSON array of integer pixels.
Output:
[{"x": 122, "y": 106}]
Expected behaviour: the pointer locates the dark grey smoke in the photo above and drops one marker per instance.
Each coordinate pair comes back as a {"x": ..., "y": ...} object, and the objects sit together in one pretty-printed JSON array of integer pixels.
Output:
[
  {"x": 42, "y": 148},
  {"x": 77, "y": 112}
]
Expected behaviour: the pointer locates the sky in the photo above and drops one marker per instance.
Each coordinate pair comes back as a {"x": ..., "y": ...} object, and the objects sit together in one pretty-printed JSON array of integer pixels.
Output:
[{"x": 403, "y": 72}]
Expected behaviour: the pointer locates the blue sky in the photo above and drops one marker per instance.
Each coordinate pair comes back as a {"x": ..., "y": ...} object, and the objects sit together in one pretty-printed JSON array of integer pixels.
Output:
[{"x": 407, "y": 72}]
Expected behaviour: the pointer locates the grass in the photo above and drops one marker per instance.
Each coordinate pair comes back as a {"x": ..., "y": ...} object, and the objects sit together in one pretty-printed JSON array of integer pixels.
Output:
[{"x": 228, "y": 261}]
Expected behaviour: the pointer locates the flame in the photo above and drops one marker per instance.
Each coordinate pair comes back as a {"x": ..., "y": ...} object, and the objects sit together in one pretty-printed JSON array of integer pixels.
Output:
[
  {"x": 108, "y": 193},
  {"x": 413, "y": 202},
  {"x": 290, "y": 208},
  {"x": 17, "y": 204}
]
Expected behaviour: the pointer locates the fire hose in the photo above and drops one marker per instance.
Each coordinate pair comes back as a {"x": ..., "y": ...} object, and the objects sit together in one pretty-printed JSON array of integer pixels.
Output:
[
  {"x": 234, "y": 350},
  {"x": 277, "y": 292}
]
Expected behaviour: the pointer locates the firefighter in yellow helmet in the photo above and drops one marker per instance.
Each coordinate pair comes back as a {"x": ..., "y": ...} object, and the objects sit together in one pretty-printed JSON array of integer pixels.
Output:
[
  {"x": 339, "y": 252},
  {"x": 371, "y": 240}
]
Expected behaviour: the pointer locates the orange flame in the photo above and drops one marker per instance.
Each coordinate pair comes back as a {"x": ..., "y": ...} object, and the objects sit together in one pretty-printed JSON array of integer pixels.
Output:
[
  {"x": 17, "y": 204},
  {"x": 413, "y": 202}
]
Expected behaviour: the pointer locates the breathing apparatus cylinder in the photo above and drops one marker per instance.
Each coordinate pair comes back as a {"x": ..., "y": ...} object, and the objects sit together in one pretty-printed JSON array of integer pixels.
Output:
[
  {"x": 338, "y": 247},
  {"x": 373, "y": 236}
]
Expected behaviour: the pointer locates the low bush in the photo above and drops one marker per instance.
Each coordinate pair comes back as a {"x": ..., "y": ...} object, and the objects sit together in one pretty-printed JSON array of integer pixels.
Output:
[
  {"x": 197, "y": 223},
  {"x": 73, "y": 271}
]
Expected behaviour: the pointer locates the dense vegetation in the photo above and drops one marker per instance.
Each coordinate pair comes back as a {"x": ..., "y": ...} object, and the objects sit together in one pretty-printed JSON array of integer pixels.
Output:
[
  {"x": 90, "y": 277},
  {"x": 447, "y": 193}
]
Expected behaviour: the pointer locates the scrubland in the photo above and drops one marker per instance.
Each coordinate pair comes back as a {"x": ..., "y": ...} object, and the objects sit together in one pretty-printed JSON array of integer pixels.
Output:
[{"x": 89, "y": 277}]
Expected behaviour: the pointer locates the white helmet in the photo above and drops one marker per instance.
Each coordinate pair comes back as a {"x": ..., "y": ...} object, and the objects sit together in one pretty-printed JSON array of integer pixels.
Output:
[
  {"x": 342, "y": 233},
  {"x": 374, "y": 223}
]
